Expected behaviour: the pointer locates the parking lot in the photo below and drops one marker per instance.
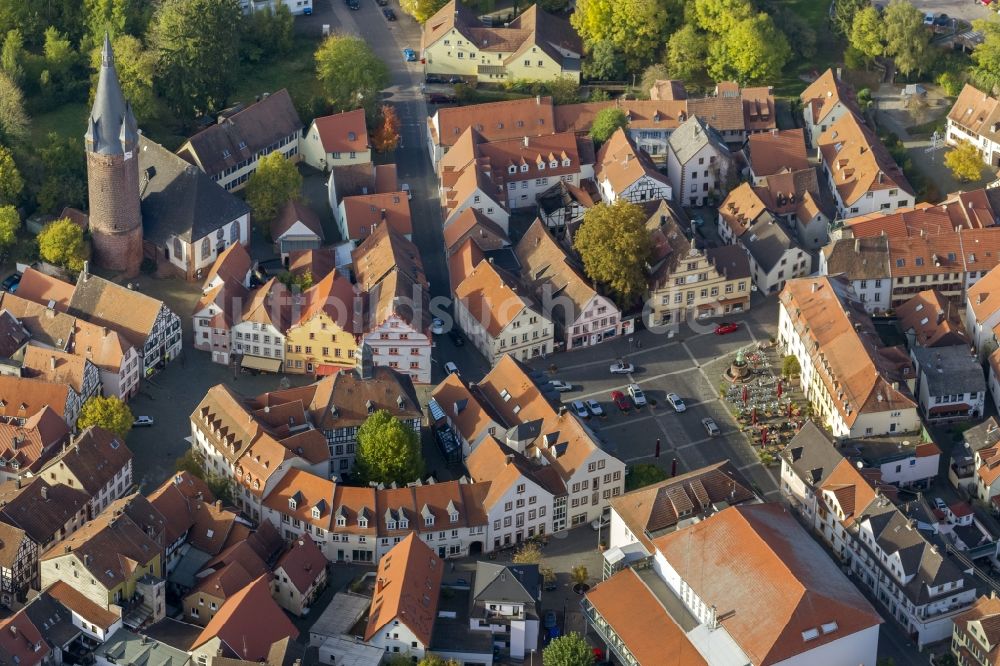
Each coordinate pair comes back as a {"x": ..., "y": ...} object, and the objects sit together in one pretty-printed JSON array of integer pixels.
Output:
[{"x": 965, "y": 10}]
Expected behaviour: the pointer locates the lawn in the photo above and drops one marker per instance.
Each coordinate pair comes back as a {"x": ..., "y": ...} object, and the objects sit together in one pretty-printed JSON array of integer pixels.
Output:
[
  {"x": 829, "y": 47},
  {"x": 65, "y": 120},
  {"x": 295, "y": 71}
]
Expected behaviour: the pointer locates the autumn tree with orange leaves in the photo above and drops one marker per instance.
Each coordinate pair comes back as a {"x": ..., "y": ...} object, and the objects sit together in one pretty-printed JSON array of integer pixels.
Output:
[{"x": 386, "y": 137}]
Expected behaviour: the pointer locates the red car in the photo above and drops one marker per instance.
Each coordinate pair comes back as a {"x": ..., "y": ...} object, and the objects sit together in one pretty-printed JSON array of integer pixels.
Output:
[
  {"x": 727, "y": 327},
  {"x": 621, "y": 402}
]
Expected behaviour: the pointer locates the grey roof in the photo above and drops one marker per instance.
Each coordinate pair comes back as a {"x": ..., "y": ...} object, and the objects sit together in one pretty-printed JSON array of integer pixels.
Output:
[
  {"x": 126, "y": 647},
  {"x": 767, "y": 241},
  {"x": 54, "y": 620},
  {"x": 451, "y": 631},
  {"x": 920, "y": 559},
  {"x": 111, "y": 128},
  {"x": 240, "y": 136},
  {"x": 516, "y": 583},
  {"x": 858, "y": 258},
  {"x": 985, "y": 434},
  {"x": 729, "y": 260},
  {"x": 811, "y": 454},
  {"x": 179, "y": 199},
  {"x": 693, "y": 135},
  {"x": 174, "y": 633},
  {"x": 948, "y": 370}
]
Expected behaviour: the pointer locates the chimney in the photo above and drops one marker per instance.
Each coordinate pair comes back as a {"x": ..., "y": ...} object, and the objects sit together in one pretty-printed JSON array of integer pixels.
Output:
[
  {"x": 815, "y": 287},
  {"x": 52, "y": 362},
  {"x": 85, "y": 273},
  {"x": 525, "y": 142},
  {"x": 838, "y": 73},
  {"x": 379, "y": 584},
  {"x": 44, "y": 492},
  {"x": 538, "y": 100},
  {"x": 218, "y": 505},
  {"x": 510, "y": 458},
  {"x": 857, "y": 245}
]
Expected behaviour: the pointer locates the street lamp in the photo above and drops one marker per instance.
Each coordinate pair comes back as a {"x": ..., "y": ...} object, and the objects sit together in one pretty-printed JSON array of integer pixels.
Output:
[{"x": 532, "y": 656}]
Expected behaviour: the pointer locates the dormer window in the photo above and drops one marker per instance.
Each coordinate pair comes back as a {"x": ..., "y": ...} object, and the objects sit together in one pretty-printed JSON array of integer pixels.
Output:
[
  {"x": 524, "y": 168},
  {"x": 553, "y": 164},
  {"x": 341, "y": 521},
  {"x": 351, "y": 136},
  {"x": 566, "y": 162},
  {"x": 362, "y": 522},
  {"x": 404, "y": 524},
  {"x": 541, "y": 166},
  {"x": 315, "y": 512},
  {"x": 453, "y": 517},
  {"x": 391, "y": 525},
  {"x": 512, "y": 169},
  {"x": 243, "y": 145},
  {"x": 429, "y": 520},
  {"x": 292, "y": 503}
]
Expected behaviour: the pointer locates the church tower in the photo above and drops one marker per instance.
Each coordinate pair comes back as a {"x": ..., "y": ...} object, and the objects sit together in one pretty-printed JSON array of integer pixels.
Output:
[{"x": 112, "y": 143}]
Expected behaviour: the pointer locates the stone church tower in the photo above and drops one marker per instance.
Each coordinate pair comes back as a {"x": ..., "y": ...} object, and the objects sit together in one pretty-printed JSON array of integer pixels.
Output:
[{"x": 112, "y": 143}]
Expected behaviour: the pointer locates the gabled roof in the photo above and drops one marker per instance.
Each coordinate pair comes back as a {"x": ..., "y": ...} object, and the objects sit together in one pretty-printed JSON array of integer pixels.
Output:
[
  {"x": 693, "y": 135},
  {"x": 621, "y": 163},
  {"x": 812, "y": 454},
  {"x": 248, "y": 623},
  {"x": 22, "y": 397},
  {"x": 13, "y": 334},
  {"x": 985, "y": 614},
  {"x": 778, "y": 594},
  {"x": 41, "y": 288},
  {"x": 977, "y": 112},
  {"x": 335, "y": 296},
  {"x": 293, "y": 212},
  {"x": 231, "y": 266},
  {"x": 493, "y": 297},
  {"x": 825, "y": 93},
  {"x": 364, "y": 212},
  {"x": 511, "y": 583},
  {"x": 94, "y": 458},
  {"x": 857, "y": 161},
  {"x": 408, "y": 581},
  {"x": 19, "y": 637},
  {"x": 106, "y": 303},
  {"x": 777, "y": 150},
  {"x": 384, "y": 251},
  {"x": 270, "y": 304},
  {"x": 177, "y": 499},
  {"x": 768, "y": 242},
  {"x": 74, "y": 600},
  {"x": 851, "y": 491},
  {"x": 25, "y": 447},
  {"x": 40, "y": 509},
  {"x": 933, "y": 319},
  {"x": 984, "y": 296},
  {"x": 243, "y": 134},
  {"x": 511, "y": 119},
  {"x": 303, "y": 563},
  {"x": 343, "y": 132},
  {"x": 56, "y": 366},
  {"x": 859, "y": 258},
  {"x": 471, "y": 223}
]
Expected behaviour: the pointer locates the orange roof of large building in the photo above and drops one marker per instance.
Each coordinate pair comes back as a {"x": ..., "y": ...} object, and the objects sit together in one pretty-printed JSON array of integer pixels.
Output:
[
  {"x": 22, "y": 397},
  {"x": 41, "y": 288},
  {"x": 74, "y": 600},
  {"x": 271, "y": 304},
  {"x": 545, "y": 264},
  {"x": 977, "y": 112},
  {"x": 335, "y": 296},
  {"x": 510, "y": 119},
  {"x": 857, "y": 160},
  {"x": 56, "y": 366},
  {"x": 343, "y": 132},
  {"x": 934, "y": 320},
  {"x": 363, "y": 213},
  {"x": 463, "y": 261},
  {"x": 640, "y": 620},
  {"x": 777, "y": 150},
  {"x": 825, "y": 93},
  {"x": 492, "y": 297},
  {"x": 248, "y": 623},
  {"x": 471, "y": 223},
  {"x": 984, "y": 296},
  {"x": 852, "y": 491},
  {"x": 382, "y": 252},
  {"x": 845, "y": 349},
  {"x": 232, "y": 265},
  {"x": 304, "y": 496},
  {"x": 408, "y": 581},
  {"x": 26, "y": 445},
  {"x": 102, "y": 346},
  {"x": 778, "y": 594}
]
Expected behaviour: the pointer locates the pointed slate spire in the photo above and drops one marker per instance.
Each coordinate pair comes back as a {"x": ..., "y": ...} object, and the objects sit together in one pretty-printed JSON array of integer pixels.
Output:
[{"x": 111, "y": 128}]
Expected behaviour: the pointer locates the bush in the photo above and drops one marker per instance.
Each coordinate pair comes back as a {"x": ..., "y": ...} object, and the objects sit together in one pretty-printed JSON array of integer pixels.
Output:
[{"x": 790, "y": 366}]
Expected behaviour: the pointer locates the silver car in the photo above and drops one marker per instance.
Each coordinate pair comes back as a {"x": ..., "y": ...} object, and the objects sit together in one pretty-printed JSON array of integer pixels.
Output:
[
  {"x": 676, "y": 402},
  {"x": 638, "y": 397},
  {"x": 579, "y": 409},
  {"x": 710, "y": 426},
  {"x": 595, "y": 407}
]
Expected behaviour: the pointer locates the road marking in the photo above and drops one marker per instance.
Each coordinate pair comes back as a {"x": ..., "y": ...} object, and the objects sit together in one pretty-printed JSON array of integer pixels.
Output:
[
  {"x": 652, "y": 415},
  {"x": 644, "y": 380},
  {"x": 608, "y": 361}
]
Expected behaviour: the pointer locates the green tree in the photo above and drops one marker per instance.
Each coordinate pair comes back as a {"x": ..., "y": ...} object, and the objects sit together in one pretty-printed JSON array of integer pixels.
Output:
[
  {"x": 568, "y": 650},
  {"x": 907, "y": 40},
  {"x": 563, "y": 90},
  {"x": 604, "y": 62},
  {"x": 197, "y": 44},
  {"x": 13, "y": 119},
  {"x": 719, "y": 16},
  {"x": 643, "y": 474},
  {"x": 751, "y": 51},
  {"x": 59, "y": 56},
  {"x": 192, "y": 463},
  {"x": 296, "y": 282},
  {"x": 579, "y": 575},
  {"x": 651, "y": 75},
  {"x": 421, "y": 10},
  {"x": 965, "y": 162},
  {"x": 61, "y": 244},
  {"x": 790, "y": 366},
  {"x": 11, "y": 182},
  {"x": 275, "y": 182},
  {"x": 109, "y": 413},
  {"x": 350, "y": 74},
  {"x": 136, "y": 68},
  {"x": 636, "y": 28},
  {"x": 267, "y": 34},
  {"x": 868, "y": 32},
  {"x": 842, "y": 15},
  {"x": 63, "y": 178},
  {"x": 13, "y": 56},
  {"x": 10, "y": 222},
  {"x": 387, "y": 451},
  {"x": 607, "y": 122},
  {"x": 985, "y": 57},
  {"x": 528, "y": 553},
  {"x": 685, "y": 57},
  {"x": 116, "y": 17},
  {"x": 799, "y": 33},
  {"x": 434, "y": 660},
  {"x": 614, "y": 246}
]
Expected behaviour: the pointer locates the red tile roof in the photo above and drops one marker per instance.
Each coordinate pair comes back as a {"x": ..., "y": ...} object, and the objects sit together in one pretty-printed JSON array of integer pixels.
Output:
[
  {"x": 248, "y": 623},
  {"x": 303, "y": 563},
  {"x": 408, "y": 581}
]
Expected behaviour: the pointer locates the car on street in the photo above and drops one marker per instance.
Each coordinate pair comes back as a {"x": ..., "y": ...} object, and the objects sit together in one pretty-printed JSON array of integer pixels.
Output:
[
  {"x": 409, "y": 55},
  {"x": 939, "y": 504},
  {"x": 621, "y": 368},
  {"x": 389, "y": 14},
  {"x": 620, "y": 401},
  {"x": 711, "y": 427},
  {"x": 550, "y": 586},
  {"x": 456, "y": 337},
  {"x": 676, "y": 402},
  {"x": 943, "y": 20},
  {"x": 437, "y": 326},
  {"x": 638, "y": 397},
  {"x": 405, "y": 187},
  {"x": 462, "y": 582},
  {"x": 579, "y": 409},
  {"x": 549, "y": 619},
  {"x": 560, "y": 386},
  {"x": 433, "y": 78},
  {"x": 10, "y": 283},
  {"x": 142, "y": 422},
  {"x": 451, "y": 368},
  {"x": 440, "y": 98},
  {"x": 595, "y": 407},
  {"x": 726, "y": 327},
  {"x": 928, "y": 19},
  {"x": 381, "y": 3},
  {"x": 354, "y": 4}
]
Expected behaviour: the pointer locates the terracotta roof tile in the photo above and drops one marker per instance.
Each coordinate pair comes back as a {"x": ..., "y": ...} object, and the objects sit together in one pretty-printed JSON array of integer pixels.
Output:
[
  {"x": 343, "y": 132},
  {"x": 56, "y": 366},
  {"x": 976, "y": 112},
  {"x": 363, "y": 213},
  {"x": 248, "y": 623},
  {"x": 508, "y": 120},
  {"x": 934, "y": 320},
  {"x": 492, "y": 297},
  {"x": 292, "y": 212},
  {"x": 303, "y": 562},
  {"x": 232, "y": 265},
  {"x": 620, "y": 163},
  {"x": 858, "y": 161},
  {"x": 40, "y": 288},
  {"x": 771, "y": 152},
  {"x": 410, "y": 580},
  {"x": 74, "y": 600},
  {"x": 95, "y": 459},
  {"x": 825, "y": 93}
]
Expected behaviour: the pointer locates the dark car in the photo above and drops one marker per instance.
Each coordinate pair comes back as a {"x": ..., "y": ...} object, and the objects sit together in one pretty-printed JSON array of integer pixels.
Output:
[
  {"x": 432, "y": 78},
  {"x": 943, "y": 20},
  {"x": 382, "y": 3},
  {"x": 549, "y": 620},
  {"x": 456, "y": 338},
  {"x": 455, "y": 79},
  {"x": 354, "y": 4},
  {"x": 389, "y": 14},
  {"x": 438, "y": 98},
  {"x": 10, "y": 282}
]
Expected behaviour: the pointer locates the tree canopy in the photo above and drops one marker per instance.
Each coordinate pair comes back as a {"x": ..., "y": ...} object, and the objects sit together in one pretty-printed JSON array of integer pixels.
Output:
[
  {"x": 965, "y": 162},
  {"x": 13, "y": 119},
  {"x": 615, "y": 247},
  {"x": 275, "y": 182},
  {"x": 568, "y": 650},
  {"x": 386, "y": 137},
  {"x": 61, "y": 244},
  {"x": 685, "y": 57},
  {"x": 719, "y": 16},
  {"x": 10, "y": 222},
  {"x": 421, "y": 10},
  {"x": 109, "y": 413},
  {"x": 11, "y": 182},
  {"x": 868, "y": 32},
  {"x": 907, "y": 40},
  {"x": 985, "y": 57},
  {"x": 388, "y": 451},
  {"x": 751, "y": 51},
  {"x": 136, "y": 68},
  {"x": 350, "y": 74},
  {"x": 634, "y": 28},
  {"x": 607, "y": 122}
]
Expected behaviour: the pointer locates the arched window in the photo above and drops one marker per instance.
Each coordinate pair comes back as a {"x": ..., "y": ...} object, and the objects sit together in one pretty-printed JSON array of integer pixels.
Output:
[
  {"x": 178, "y": 248},
  {"x": 234, "y": 232},
  {"x": 206, "y": 247}
]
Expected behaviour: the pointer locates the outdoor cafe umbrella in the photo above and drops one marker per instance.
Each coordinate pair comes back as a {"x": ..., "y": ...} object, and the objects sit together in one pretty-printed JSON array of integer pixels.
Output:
[
  {"x": 763, "y": 437},
  {"x": 746, "y": 395},
  {"x": 753, "y": 416},
  {"x": 789, "y": 409},
  {"x": 779, "y": 388}
]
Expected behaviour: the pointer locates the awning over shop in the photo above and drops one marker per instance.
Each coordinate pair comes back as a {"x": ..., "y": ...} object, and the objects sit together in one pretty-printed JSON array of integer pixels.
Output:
[{"x": 261, "y": 363}]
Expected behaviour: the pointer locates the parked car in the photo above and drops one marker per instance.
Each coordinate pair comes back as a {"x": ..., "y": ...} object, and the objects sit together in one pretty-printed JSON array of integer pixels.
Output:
[
  {"x": 726, "y": 327},
  {"x": 560, "y": 386},
  {"x": 456, "y": 337},
  {"x": 939, "y": 504},
  {"x": 389, "y": 14},
  {"x": 579, "y": 409},
  {"x": 638, "y": 397},
  {"x": 307, "y": 11},
  {"x": 439, "y": 98},
  {"x": 409, "y": 55},
  {"x": 594, "y": 407},
  {"x": 928, "y": 19},
  {"x": 143, "y": 422},
  {"x": 943, "y": 20},
  {"x": 406, "y": 188},
  {"x": 676, "y": 402},
  {"x": 711, "y": 427},
  {"x": 354, "y": 4},
  {"x": 620, "y": 401},
  {"x": 549, "y": 620},
  {"x": 550, "y": 586},
  {"x": 621, "y": 368},
  {"x": 10, "y": 282},
  {"x": 437, "y": 326},
  {"x": 462, "y": 582},
  {"x": 434, "y": 78},
  {"x": 451, "y": 368}
]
